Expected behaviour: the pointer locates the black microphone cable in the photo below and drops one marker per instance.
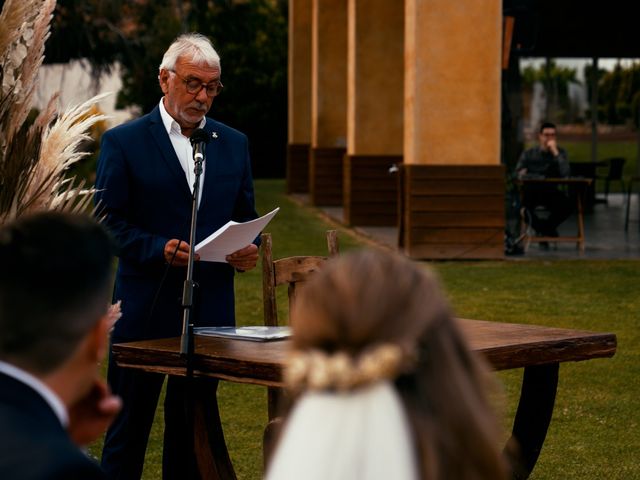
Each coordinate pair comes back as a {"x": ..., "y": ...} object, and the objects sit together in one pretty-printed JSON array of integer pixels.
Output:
[{"x": 163, "y": 279}]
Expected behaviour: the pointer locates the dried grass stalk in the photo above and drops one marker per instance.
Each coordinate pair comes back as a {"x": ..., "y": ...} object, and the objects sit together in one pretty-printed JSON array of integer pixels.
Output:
[
  {"x": 60, "y": 149},
  {"x": 34, "y": 39},
  {"x": 34, "y": 159}
]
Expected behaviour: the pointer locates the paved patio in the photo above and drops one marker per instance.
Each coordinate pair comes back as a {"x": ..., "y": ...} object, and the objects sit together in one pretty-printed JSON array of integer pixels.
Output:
[
  {"x": 605, "y": 236},
  {"x": 604, "y": 233}
]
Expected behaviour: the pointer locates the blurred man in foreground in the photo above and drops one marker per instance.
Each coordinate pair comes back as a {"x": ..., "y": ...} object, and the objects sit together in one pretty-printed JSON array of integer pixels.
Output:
[{"x": 55, "y": 287}]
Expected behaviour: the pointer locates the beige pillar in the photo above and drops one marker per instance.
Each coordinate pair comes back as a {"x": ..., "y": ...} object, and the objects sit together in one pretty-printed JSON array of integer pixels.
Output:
[
  {"x": 452, "y": 192},
  {"x": 452, "y": 82},
  {"x": 375, "y": 77},
  {"x": 299, "y": 96},
  {"x": 328, "y": 100}
]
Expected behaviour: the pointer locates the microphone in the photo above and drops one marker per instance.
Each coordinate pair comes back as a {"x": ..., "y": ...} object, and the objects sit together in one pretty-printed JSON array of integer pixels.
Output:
[{"x": 199, "y": 139}]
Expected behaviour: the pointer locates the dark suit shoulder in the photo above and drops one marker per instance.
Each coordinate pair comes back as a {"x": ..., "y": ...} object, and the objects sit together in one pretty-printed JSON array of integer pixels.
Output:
[
  {"x": 33, "y": 444},
  {"x": 133, "y": 127},
  {"x": 68, "y": 461},
  {"x": 47, "y": 456}
]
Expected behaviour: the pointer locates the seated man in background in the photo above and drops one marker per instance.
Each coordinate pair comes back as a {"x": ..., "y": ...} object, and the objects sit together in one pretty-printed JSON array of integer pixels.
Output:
[
  {"x": 55, "y": 288},
  {"x": 546, "y": 160}
]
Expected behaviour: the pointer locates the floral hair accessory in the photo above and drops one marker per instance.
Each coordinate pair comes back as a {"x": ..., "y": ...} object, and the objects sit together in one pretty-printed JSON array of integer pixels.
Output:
[{"x": 318, "y": 370}]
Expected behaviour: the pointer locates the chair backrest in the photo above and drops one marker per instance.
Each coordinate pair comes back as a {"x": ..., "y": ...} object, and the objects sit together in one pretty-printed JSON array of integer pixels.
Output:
[
  {"x": 288, "y": 271},
  {"x": 616, "y": 167}
]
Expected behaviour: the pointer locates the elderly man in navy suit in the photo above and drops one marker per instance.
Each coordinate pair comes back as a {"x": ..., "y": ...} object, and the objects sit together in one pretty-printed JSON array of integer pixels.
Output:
[
  {"x": 55, "y": 284},
  {"x": 145, "y": 179}
]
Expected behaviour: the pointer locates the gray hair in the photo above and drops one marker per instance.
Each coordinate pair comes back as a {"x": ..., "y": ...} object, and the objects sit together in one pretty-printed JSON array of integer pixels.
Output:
[{"x": 195, "y": 46}]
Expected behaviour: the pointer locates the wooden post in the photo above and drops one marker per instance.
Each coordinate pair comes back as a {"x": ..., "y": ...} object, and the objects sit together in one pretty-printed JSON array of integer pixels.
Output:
[{"x": 453, "y": 198}]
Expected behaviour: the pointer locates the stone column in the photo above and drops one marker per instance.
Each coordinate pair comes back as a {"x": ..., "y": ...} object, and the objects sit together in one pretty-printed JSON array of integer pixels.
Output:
[
  {"x": 453, "y": 184},
  {"x": 299, "y": 96},
  {"x": 375, "y": 77},
  {"x": 328, "y": 100}
]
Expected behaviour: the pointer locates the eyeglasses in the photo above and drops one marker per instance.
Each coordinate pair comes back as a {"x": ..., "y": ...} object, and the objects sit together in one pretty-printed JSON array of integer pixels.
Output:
[{"x": 194, "y": 85}]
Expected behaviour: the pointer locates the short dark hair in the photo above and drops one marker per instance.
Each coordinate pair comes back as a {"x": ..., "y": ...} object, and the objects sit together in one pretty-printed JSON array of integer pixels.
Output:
[
  {"x": 55, "y": 272},
  {"x": 544, "y": 125}
]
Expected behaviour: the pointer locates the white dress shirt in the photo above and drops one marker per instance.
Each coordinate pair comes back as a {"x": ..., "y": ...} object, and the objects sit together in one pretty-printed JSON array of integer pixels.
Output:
[
  {"x": 43, "y": 390},
  {"x": 182, "y": 147}
]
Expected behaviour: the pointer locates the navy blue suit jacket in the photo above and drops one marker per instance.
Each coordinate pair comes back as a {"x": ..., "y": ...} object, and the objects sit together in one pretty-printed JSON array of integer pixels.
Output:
[
  {"x": 144, "y": 193},
  {"x": 33, "y": 443}
]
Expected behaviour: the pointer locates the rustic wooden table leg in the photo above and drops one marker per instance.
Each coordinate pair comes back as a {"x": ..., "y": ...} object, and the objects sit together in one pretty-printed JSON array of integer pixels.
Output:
[
  {"x": 532, "y": 420},
  {"x": 210, "y": 447},
  {"x": 278, "y": 402},
  {"x": 269, "y": 438}
]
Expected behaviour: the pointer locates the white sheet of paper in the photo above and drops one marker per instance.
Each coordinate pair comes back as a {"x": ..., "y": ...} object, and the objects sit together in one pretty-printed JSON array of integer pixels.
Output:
[{"x": 231, "y": 237}]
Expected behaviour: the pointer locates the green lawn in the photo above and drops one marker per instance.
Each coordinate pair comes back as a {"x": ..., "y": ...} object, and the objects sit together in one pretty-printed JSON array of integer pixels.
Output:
[
  {"x": 581, "y": 151},
  {"x": 594, "y": 431}
]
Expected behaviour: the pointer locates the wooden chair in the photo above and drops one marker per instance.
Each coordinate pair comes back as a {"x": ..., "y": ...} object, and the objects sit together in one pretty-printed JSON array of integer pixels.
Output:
[
  {"x": 580, "y": 185},
  {"x": 290, "y": 271}
]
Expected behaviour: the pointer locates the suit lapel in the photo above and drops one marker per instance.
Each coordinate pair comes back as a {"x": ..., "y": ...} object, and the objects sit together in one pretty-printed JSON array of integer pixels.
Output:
[
  {"x": 168, "y": 154},
  {"x": 212, "y": 162}
]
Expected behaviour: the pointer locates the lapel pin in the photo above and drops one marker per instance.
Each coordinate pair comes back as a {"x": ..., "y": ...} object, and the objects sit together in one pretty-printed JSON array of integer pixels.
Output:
[{"x": 214, "y": 134}]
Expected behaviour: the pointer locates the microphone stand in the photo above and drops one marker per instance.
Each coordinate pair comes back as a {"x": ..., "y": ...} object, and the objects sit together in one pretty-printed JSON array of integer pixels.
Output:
[{"x": 186, "y": 339}]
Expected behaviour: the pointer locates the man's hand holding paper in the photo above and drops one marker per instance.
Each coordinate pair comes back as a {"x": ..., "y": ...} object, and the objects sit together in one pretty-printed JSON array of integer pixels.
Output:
[
  {"x": 176, "y": 253},
  {"x": 232, "y": 243},
  {"x": 244, "y": 259}
]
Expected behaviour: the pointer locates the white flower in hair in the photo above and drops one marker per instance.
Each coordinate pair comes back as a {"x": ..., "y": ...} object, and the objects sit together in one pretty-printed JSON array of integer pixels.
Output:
[{"x": 317, "y": 370}]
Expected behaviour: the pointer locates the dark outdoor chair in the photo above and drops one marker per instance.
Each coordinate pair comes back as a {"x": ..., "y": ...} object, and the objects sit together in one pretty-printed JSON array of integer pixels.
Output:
[
  {"x": 633, "y": 181},
  {"x": 290, "y": 271},
  {"x": 613, "y": 173}
]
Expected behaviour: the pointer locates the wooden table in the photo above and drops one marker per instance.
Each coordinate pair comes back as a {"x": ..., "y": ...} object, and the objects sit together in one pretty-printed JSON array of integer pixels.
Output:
[
  {"x": 580, "y": 184},
  {"x": 539, "y": 350},
  {"x": 587, "y": 170}
]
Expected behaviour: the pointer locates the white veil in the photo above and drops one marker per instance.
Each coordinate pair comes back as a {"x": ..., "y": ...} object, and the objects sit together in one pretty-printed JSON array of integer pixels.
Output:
[{"x": 360, "y": 434}]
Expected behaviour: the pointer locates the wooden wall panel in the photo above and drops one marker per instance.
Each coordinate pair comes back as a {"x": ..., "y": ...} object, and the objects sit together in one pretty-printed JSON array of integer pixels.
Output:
[
  {"x": 461, "y": 236},
  {"x": 325, "y": 176},
  {"x": 298, "y": 168},
  {"x": 450, "y": 212},
  {"x": 370, "y": 191}
]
